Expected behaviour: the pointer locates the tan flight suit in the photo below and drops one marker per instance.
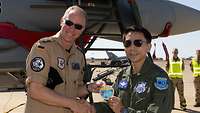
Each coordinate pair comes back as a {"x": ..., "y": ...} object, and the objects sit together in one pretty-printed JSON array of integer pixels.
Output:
[
  {"x": 175, "y": 69},
  {"x": 46, "y": 55}
]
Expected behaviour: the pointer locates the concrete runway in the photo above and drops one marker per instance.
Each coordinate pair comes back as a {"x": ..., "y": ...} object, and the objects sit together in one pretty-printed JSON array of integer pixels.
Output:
[{"x": 10, "y": 99}]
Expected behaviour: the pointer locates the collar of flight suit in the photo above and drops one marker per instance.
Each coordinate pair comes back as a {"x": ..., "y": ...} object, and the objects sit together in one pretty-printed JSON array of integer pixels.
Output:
[
  {"x": 72, "y": 49},
  {"x": 146, "y": 67}
]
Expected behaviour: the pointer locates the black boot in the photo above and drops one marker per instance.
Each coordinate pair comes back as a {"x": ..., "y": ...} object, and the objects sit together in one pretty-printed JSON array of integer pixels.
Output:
[
  {"x": 197, "y": 105},
  {"x": 183, "y": 106}
]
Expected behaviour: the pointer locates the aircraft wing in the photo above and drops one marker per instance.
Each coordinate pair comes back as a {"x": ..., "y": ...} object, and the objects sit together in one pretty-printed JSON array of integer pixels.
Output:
[{"x": 156, "y": 13}]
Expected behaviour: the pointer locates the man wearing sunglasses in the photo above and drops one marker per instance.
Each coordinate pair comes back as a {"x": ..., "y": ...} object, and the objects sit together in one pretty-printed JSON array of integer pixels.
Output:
[
  {"x": 55, "y": 69},
  {"x": 142, "y": 87}
]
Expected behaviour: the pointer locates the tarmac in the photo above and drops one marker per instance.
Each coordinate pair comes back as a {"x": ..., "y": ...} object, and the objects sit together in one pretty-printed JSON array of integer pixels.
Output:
[{"x": 13, "y": 101}]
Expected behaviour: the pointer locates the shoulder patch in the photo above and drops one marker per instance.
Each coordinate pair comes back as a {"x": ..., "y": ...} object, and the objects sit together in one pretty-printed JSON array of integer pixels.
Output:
[
  {"x": 41, "y": 47},
  {"x": 161, "y": 83},
  {"x": 37, "y": 64},
  {"x": 47, "y": 40}
]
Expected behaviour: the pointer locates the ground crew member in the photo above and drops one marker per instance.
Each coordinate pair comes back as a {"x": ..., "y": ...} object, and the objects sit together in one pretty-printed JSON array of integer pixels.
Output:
[
  {"x": 195, "y": 67},
  {"x": 55, "y": 68},
  {"x": 175, "y": 67},
  {"x": 142, "y": 87}
]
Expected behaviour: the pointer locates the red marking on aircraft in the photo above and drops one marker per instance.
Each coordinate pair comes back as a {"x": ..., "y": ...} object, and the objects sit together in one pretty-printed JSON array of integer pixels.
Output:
[
  {"x": 24, "y": 38},
  {"x": 167, "y": 29}
]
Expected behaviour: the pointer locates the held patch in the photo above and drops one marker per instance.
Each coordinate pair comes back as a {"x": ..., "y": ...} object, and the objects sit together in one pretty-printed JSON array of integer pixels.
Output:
[
  {"x": 140, "y": 87},
  {"x": 161, "y": 83},
  {"x": 37, "y": 64},
  {"x": 61, "y": 63},
  {"x": 123, "y": 84}
]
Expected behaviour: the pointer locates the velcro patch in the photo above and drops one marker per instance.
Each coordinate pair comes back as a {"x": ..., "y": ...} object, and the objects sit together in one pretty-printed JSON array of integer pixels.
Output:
[
  {"x": 75, "y": 66},
  {"x": 123, "y": 84},
  {"x": 161, "y": 83},
  {"x": 37, "y": 64}
]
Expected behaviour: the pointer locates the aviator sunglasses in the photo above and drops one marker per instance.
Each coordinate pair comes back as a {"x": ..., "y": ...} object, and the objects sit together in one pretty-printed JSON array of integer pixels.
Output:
[
  {"x": 137, "y": 43},
  {"x": 70, "y": 23}
]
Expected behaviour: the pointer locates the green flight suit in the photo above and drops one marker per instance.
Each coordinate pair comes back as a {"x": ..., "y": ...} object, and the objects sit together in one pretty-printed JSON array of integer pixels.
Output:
[{"x": 149, "y": 91}]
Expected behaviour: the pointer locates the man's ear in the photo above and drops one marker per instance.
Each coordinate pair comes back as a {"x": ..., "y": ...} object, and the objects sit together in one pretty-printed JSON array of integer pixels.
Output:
[
  {"x": 149, "y": 47},
  {"x": 61, "y": 21}
]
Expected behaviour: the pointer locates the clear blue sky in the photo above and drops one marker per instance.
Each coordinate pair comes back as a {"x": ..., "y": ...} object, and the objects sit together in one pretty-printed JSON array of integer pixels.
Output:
[{"x": 186, "y": 43}]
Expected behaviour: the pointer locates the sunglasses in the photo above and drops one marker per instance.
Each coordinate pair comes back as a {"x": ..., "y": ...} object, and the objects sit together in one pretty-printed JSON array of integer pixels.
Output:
[
  {"x": 137, "y": 43},
  {"x": 76, "y": 26}
]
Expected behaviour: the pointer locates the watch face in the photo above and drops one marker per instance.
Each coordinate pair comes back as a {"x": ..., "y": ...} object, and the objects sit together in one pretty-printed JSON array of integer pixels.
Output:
[
  {"x": 125, "y": 110},
  {"x": 106, "y": 92}
]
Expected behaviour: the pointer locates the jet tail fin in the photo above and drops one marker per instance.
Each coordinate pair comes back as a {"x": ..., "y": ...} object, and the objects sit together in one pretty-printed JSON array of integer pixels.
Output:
[{"x": 111, "y": 55}]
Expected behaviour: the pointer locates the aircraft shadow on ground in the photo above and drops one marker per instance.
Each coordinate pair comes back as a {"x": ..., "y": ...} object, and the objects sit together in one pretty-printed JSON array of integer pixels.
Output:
[
  {"x": 192, "y": 111},
  {"x": 187, "y": 110}
]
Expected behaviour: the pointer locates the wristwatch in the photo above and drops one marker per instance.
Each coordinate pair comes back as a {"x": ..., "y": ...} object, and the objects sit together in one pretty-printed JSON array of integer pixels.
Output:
[
  {"x": 124, "y": 110},
  {"x": 87, "y": 87}
]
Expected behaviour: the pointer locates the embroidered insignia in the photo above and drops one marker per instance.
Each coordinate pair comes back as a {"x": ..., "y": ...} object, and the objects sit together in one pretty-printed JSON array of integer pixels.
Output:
[
  {"x": 140, "y": 87},
  {"x": 61, "y": 62},
  {"x": 37, "y": 64},
  {"x": 123, "y": 84},
  {"x": 161, "y": 83},
  {"x": 75, "y": 66}
]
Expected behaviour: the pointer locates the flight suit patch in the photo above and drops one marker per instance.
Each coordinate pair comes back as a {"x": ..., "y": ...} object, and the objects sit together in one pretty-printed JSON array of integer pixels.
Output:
[
  {"x": 37, "y": 64},
  {"x": 123, "y": 84},
  {"x": 141, "y": 87},
  {"x": 61, "y": 62},
  {"x": 41, "y": 47},
  {"x": 161, "y": 83},
  {"x": 75, "y": 66},
  {"x": 46, "y": 41}
]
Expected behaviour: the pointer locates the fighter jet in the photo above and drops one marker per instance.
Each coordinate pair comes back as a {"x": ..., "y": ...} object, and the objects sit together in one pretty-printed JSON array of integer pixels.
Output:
[{"x": 115, "y": 60}]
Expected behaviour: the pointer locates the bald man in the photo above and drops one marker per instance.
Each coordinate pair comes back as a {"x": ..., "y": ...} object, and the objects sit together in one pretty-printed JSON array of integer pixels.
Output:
[{"x": 55, "y": 69}]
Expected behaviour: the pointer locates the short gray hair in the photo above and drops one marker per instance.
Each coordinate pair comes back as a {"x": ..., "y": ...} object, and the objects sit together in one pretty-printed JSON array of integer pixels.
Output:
[{"x": 75, "y": 7}]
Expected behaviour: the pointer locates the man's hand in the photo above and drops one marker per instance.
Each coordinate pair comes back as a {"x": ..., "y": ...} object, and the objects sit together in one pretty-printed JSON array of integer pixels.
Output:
[
  {"x": 95, "y": 87},
  {"x": 82, "y": 106},
  {"x": 115, "y": 104}
]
